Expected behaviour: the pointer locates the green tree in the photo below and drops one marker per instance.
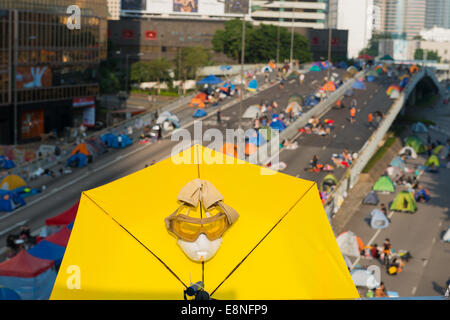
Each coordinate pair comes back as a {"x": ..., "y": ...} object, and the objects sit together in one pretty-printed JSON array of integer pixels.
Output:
[
  {"x": 154, "y": 70},
  {"x": 190, "y": 59},
  {"x": 109, "y": 83},
  {"x": 430, "y": 56},
  {"x": 229, "y": 40}
]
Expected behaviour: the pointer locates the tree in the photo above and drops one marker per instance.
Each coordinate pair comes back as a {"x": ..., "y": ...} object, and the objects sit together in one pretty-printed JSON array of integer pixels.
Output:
[
  {"x": 190, "y": 60},
  {"x": 109, "y": 83},
  {"x": 431, "y": 55},
  {"x": 154, "y": 70},
  {"x": 229, "y": 40}
]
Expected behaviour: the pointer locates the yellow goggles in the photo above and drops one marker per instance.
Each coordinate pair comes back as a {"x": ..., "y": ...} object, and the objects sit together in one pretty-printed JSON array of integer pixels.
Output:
[{"x": 189, "y": 228}]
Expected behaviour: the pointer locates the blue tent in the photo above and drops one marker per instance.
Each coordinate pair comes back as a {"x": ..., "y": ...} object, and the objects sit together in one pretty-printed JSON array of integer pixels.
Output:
[
  {"x": 257, "y": 139},
  {"x": 199, "y": 113},
  {"x": 378, "y": 220},
  {"x": 10, "y": 200},
  {"x": 370, "y": 78},
  {"x": 225, "y": 68},
  {"x": 78, "y": 160},
  {"x": 125, "y": 141},
  {"x": 211, "y": 79},
  {"x": 404, "y": 82},
  {"x": 48, "y": 251},
  {"x": 6, "y": 163},
  {"x": 108, "y": 139},
  {"x": 8, "y": 294},
  {"x": 278, "y": 125},
  {"x": 253, "y": 85},
  {"x": 421, "y": 194},
  {"x": 311, "y": 101},
  {"x": 358, "y": 84},
  {"x": 70, "y": 226},
  {"x": 342, "y": 65}
]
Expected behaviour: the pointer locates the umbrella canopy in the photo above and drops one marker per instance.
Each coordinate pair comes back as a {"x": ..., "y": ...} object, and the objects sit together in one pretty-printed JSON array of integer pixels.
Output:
[
  {"x": 297, "y": 98},
  {"x": 211, "y": 79},
  {"x": 63, "y": 218},
  {"x": 387, "y": 57},
  {"x": 275, "y": 237},
  {"x": 365, "y": 56},
  {"x": 8, "y": 294}
]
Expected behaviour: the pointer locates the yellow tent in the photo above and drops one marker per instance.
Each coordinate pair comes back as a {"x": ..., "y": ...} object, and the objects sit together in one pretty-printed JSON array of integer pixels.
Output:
[
  {"x": 11, "y": 182},
  {"x": 281, "y": 246}
]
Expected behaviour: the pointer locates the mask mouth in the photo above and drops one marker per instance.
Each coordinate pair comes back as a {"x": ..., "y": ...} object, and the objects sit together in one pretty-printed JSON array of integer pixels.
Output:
[{"x": 202, "y": 249}]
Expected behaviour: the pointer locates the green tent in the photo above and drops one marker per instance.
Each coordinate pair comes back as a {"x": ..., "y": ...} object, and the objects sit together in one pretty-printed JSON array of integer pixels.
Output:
[
  {"x": 384, "y": 184},
  {"x": 387, "y": 57},
  {"x": 404, "y": 202},
  {"x": 328, "y": 182},
  {"x": 432, "y": 160},
  {"x": 437, "y": 149},
  {"x": 296, "y": 97},
  {"x": 415, "y": 143},
  {"x": 314, "y": 68}
]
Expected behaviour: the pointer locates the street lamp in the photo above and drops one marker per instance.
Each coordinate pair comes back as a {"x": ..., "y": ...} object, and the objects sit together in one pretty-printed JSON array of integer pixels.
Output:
[{"x": 140, "y": 54}]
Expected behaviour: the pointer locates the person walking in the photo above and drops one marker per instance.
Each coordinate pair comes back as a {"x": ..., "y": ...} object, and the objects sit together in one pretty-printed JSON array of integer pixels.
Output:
[
  {"x": 370, "y": 120},
  {"x": 387, "y": 251},
  {"x": 301, "y": 78},
  {"x": 219, "y": 117},
  {"x": 352, "y": 114}
]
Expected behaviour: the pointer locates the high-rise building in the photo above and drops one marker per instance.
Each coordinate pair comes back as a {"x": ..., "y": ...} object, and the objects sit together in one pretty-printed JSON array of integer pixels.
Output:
[
  {"x": 437, "y": 14},
  {"x": 48, "y": 72},
  {"x": 403, "y": 19},
  {"x": 361, "y": 19},
  {"x": 114, "y": 9}
]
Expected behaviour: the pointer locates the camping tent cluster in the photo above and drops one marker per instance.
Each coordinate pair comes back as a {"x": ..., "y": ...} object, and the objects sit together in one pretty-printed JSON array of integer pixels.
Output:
[
  {"x": 394, "y": 90},
  {"x": 320, "y": 65},
  {"x": 13, "y": 190},
  {"x": 6, "y": 163},
  {"x": 89, "y": 150},
  {"x": 31, "y": 273}
]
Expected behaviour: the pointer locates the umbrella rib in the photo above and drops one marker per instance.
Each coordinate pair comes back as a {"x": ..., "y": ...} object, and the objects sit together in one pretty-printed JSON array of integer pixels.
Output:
[
  {"x": 159, "y": 259},
  {"x": 239, "y": 264}
]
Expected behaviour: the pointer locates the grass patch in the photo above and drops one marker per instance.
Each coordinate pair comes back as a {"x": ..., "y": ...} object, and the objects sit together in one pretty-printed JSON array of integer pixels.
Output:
[
  {"x": 380, "y": 153},
  {"x": 408, "y": 120}
]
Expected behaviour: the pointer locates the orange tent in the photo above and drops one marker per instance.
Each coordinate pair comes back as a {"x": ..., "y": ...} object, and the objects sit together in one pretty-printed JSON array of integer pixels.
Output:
[
  {"x": 272, "y": 65},
  {"x": 81, "y": 148},
  {"x": 197, "y": 103},
  {"x": 250, "y": 149},
  {"x": 413, "y": 68},
  {"x": 229, "y": 149},
  {"x": 202, "y": 96},
  {"x": 329, "y": 86}
]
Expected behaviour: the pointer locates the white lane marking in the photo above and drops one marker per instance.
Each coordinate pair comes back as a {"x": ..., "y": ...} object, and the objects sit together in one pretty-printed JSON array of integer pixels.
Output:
[
  {"x": 440, "y": 224},
  {"x": 425, "y": 263},
  {"x": 414, "y": 290},
  {"x": 13, "y": 227},
  {"x": 434, "y": 240}
]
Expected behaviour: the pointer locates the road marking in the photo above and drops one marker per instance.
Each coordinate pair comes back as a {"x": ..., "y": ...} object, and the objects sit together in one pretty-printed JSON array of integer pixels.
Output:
[
  {"x": 440, "y": 224},
  {"x": 434, "y": 240},
  {"x": 425, "y": 263},
  {"x": 13, "y": 227},
  {"x": 414, "y": 290}
]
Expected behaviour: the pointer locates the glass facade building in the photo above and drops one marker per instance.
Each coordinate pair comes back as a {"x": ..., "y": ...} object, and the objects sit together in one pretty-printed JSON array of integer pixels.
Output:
[{"x": 44, "y": 65}]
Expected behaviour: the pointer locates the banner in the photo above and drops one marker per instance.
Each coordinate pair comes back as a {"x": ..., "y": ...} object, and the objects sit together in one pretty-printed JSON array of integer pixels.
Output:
[
  {"x": 83, "y": 102},
  {"x": 33, "y": 77},
  {"x": 89, "y": 117}
]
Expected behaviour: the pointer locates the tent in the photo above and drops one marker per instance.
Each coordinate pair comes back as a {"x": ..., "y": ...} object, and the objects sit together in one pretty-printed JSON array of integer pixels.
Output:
[
  {"x": 13, "y": 182},
  {"x": 48, "y": 251},
  {"x": 315, "y": 68},
  {"x": 364, "y": 278},
  {"x": 404, "y": 202},
  {"x": 328, "y": 182},
  {"x": 60, "y": 237},
  {"x": 196, "y": 103},
  {"x": 267, "y": 69},
  {"x": 359, "y": 85},
  {"x": 211, "y": 79},
  {"x": 352, "y": 70},
  {"x": 394, "y": 94},
  {"x": 350, "y": 244},
  {"x": 8, "y": 294},
  {"x": 257, "y": 139},
  {"x": 408, "y": 151},
  {"x": 446, "y": 236},
  {"x": 415, "y": 143},
  {"x": 293, "y": 107},
  {"x": 201, "y": 96},
  {"x": 342, "y": 65},
  {"x": 441, "y": 151},
  {"x": 371, "y": 198},
  {"x": 97, "y": 143},
  {"x": 30, "y": 277},
  {"x": 63, "y": 218},
  {"x": 413, "y": 68},
  {"x": 250, "y": 149},
  {"x": 78, "y": 160},
  {"x": 384, "y": 184},
  {"x": 81, "y": 148},
  {"x": 119, "y": 267},
  {"x": 10, "y": 200},
  {"x": 116, "y": 141},
  {"x": 311, "y": 101},
  {"x": 199, "y": 113},
  {"x": 432, "y": 161},
  {"x": 297, "y": 98},
  {"x": 387, "y": 57},
  {"x": 398, "y": 163},
  {"x": 170, "y": 117},
  {"x": 252, "y": 112},
  {"x": 253, "y": 85},
  {"x": 419, "y": 127},
  {"x": 6, "y": 163},
  {"x": 423, "y": 193},
  {"x": 379, "y": 69},
  {"x": 404, "y": 82},
  {"x": 277, "y": 124},
  {"x": 378, "y": 219},
  {"x": 370, "y": 78},
  {"x": 229, "y": 149},
  {"x": 329, "y": 86}
]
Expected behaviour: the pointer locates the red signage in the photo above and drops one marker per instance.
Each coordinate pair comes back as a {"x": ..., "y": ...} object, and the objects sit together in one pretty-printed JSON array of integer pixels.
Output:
[
  {"x": 127, "y": 34},
  {"x": 150, "y": 35},
  {"x": 83, "y": 102}
]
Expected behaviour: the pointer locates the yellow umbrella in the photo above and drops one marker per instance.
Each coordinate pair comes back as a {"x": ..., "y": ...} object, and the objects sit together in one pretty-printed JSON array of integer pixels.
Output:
[{"x": 280, "y": 247}]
